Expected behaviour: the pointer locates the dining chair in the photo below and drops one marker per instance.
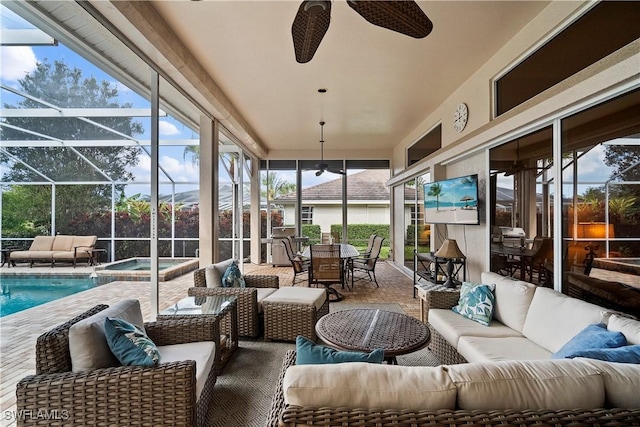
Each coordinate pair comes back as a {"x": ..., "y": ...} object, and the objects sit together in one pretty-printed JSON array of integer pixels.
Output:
[
  {"x": 299, "y": 263},
  {"x": 543, "y": 251},
  {"x": 327, "y": 269},
  {"x": 367, "y": 264},
  {"x": 367, "y": 252}
]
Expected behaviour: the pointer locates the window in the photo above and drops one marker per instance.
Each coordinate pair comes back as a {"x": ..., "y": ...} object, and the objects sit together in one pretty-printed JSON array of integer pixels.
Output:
[
  {"x": 425, "y": 146},
  {"x": 307, "y": 214}
]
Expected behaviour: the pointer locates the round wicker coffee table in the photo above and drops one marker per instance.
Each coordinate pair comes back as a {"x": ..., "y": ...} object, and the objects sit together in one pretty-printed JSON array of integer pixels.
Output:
[{"x": 364, "y": 329}]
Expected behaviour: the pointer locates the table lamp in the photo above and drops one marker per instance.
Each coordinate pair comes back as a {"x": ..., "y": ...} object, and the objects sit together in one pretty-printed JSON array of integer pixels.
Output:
[{"x": 450, "y": 251}]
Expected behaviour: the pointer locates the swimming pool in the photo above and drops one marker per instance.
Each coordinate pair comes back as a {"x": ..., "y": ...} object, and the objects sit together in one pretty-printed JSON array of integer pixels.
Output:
[
  {"x": 138, "y": 269},
  {"x": 23, "y": 292}
]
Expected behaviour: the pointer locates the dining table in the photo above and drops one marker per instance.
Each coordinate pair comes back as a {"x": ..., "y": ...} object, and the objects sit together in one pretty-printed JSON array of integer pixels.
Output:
[{"x": 517, "y": 253}]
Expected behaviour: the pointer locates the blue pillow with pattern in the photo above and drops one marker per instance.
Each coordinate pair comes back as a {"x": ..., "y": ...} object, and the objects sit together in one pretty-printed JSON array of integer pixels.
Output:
[
  {"x": 476, "y": 302},
  {"x": 232, "y": 277},
  {"x": 130, "y": 345},
  {"x": 624, "y": 354}
]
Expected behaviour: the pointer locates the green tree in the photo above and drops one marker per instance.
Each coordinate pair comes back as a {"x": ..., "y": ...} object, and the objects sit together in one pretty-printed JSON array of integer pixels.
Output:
[
  {"x": 435, "y": 190},
  {"x": 60, "y": 86},
  {"x": 276, "y": 186}
]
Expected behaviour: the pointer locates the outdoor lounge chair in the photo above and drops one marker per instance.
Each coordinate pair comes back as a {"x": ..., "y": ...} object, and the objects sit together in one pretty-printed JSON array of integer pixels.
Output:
[
  {"x": 175, "y": 392},
  {"x": 249, "y": 298}
]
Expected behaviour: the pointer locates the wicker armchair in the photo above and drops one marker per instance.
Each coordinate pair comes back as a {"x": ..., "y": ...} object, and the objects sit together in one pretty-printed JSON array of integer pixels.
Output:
[
  {"x": 248, "y": 312},
  {"x": 283, "y": 415},
  {"x": 126, "y": 395}
]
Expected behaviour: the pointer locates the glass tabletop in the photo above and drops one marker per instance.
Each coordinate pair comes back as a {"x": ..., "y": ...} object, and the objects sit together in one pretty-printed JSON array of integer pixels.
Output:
[{"x": 214, "y": 304}]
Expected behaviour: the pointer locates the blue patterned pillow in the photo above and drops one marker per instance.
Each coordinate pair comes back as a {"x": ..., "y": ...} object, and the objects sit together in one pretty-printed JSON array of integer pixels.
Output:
[
  {"x": 310, "y": 353},
  {"x": 232, "y": 277},
  {"x": 476, "y": 302},
  {"x": 130, "y": 345},
  {"x": 592, "y": 337}
]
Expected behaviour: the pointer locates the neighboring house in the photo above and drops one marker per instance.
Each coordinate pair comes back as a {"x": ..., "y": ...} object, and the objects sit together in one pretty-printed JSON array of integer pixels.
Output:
[{"x": 367, "y": 201}]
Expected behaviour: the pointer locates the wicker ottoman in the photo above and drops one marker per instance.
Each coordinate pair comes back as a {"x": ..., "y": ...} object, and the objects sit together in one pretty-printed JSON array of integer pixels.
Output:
[{"x": 289, "y": 312}]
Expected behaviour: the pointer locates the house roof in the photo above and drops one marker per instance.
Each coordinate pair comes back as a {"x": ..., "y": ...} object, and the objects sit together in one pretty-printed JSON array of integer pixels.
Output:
[{"x": 369, "y": 184}]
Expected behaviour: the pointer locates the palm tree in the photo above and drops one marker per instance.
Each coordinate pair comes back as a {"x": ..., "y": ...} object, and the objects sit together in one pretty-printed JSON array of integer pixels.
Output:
[
  {"x": 276, "y": 186},
  {"x": 436, "y": 191}
]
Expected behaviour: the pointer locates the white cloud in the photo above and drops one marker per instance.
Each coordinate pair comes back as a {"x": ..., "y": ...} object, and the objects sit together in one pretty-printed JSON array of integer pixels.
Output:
[
  {"x": 16, "y": 61},
  {"x": 166, "y": 128},
  {"x": 178, "y": 170}
]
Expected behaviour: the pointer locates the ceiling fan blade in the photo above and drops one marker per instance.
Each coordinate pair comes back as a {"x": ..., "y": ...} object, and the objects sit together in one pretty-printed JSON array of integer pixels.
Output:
[
  {"x": 309, "y": 27},
  {"x": 404, "y": 17},
  {"x": 338, "y": 171},
  {"x": 320, "y": 172}
]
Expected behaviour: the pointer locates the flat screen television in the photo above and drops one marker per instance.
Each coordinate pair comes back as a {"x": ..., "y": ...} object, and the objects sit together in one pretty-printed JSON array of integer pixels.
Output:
[{"x": 452, "y": 201}]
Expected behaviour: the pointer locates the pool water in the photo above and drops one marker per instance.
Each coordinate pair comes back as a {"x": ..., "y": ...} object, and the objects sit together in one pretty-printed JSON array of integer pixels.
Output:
[{"x": 20, "y": 292}]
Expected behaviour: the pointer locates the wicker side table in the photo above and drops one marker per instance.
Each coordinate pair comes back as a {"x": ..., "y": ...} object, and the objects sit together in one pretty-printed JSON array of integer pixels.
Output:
[
  {"x": 435, "y": 296},
  {"x": 224, "y": 308}
]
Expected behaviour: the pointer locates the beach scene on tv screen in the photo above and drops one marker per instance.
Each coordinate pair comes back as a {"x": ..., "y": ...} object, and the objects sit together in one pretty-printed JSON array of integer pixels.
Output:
[{"x": 452, "y": 201}]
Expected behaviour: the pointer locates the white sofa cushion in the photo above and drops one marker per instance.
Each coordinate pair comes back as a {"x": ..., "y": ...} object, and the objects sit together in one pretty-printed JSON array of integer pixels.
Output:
[
  {"x": 482, "y": 349},
  {"x": 528, "y": 384},
  {"x": 621, "y": 383},
  {"x": 452, "y": 326},
  {"x": 513, "y": 298},
  {"x": 304, "y": 296},
  {"x": 366, "y": 385},
  {"x": 553, "y": 318},
  {"x": 202, "y": 352},
  {"x": 214, "y": 272},
  {"x": 629, "y": 327},
  {"x": 262, "y": 294},
  {"x": 87, "y": 342}
]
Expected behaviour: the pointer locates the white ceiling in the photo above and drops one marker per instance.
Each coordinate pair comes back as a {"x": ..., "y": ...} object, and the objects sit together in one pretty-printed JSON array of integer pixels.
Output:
[{"x": 380, "y": 84}]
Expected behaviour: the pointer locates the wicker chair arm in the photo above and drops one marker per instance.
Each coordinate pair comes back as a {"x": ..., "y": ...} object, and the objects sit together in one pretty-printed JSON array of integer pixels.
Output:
[
  {"x": 183, "y": 330},
  {"x": 262, "y": 281},
  {"x": 125, "y": 395},
  {"x": 277, "y": 403}
]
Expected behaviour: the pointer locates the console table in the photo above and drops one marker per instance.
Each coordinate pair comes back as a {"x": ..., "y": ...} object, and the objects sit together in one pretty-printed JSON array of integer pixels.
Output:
[{"x": 432, "y": 268}]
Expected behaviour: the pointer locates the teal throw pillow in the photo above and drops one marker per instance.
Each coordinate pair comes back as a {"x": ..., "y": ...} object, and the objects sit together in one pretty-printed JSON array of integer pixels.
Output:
[
  {"x": 476, "y": 302},
  {"x": 593, "y": 337},
  {"x": 310, "y": 353},
  {"x": 624, "y": 354},
  {"x": 232, "y": 277},
  {"x": 130, "y": 345}
]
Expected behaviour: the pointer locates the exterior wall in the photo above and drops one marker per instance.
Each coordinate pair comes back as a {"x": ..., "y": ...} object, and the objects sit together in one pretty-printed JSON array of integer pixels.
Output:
[
  {"x": 467, "y": 152},
  {"x": 326, "y": 215}
]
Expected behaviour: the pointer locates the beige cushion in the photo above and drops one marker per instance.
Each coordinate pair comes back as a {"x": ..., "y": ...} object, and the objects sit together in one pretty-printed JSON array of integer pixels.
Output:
[
  {"x": 513, "y": 298},
  {"x": 42, "y": 243},
  {"x": 481, "y": 349},
  {"x": 528, "y": 384},
  {"x": 202, "y": 352},
  {"x": 21, "y": 255},
  {"x": 62, "y": 243},
  {"x": 452, "y": 326},
  {"x": 213, "y": 273},
  {"x": 262, "y": 294},
  {"x": 87, "y": 343},
  {"x": 367, "y": 385},
  {"x": 85, "y": 241},
  {"x": 621, "y": 383},
  {"x": 305, "y": 296},
  {"x": 553, "y": 318},
  {"x": 629, "y": 327}
]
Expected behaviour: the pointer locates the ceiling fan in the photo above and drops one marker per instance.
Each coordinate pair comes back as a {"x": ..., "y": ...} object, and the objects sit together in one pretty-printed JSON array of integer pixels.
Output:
[
  {"x": 313, "y": 17},
  {"x": 322, "y": 166},
  {"x": 519, "y": 166}
]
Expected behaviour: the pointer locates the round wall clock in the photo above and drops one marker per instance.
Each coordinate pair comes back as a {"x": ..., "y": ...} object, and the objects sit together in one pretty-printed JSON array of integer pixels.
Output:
[{"x": 460, "y": 117}]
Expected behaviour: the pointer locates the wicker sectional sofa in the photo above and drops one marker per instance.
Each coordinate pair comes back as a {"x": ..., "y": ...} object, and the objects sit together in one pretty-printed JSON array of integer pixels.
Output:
[
  {"x": 59, "y": 248},
  {"x": 510, "y": 379}
]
